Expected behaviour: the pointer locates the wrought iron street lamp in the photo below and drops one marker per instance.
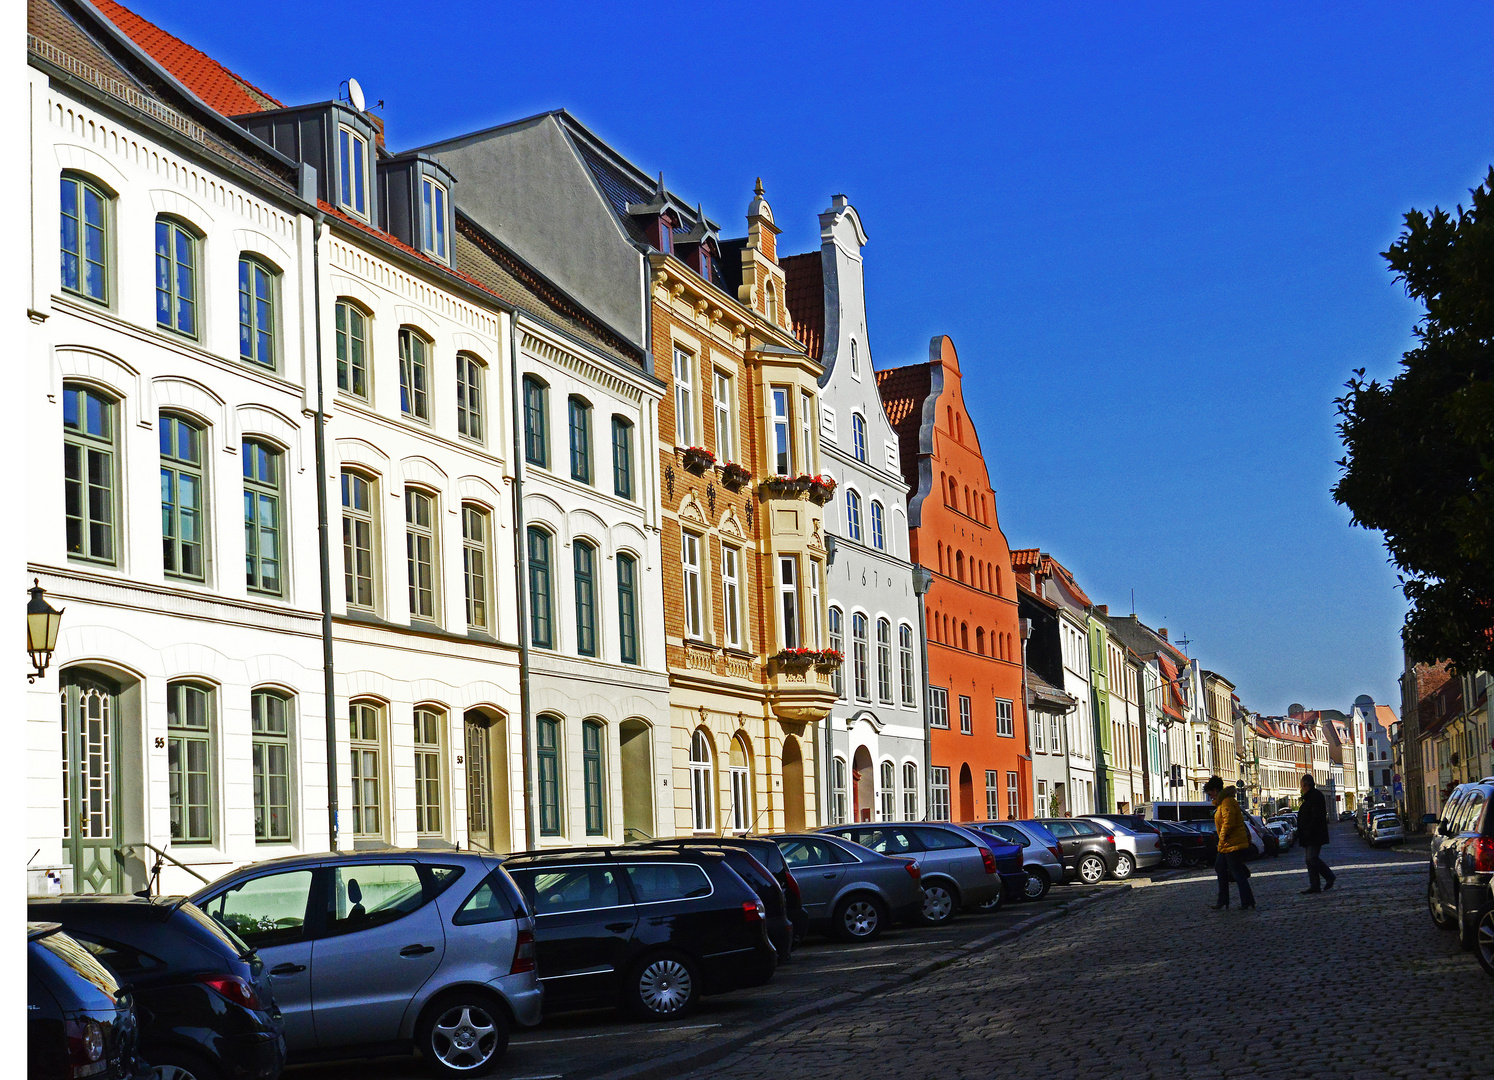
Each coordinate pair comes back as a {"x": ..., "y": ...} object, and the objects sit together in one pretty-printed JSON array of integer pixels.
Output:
[{"x": 42, "y": 624}]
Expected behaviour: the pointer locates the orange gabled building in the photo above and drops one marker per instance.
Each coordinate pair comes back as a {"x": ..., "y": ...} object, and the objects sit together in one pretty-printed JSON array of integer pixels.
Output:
[{"x": 980, "y": 761}]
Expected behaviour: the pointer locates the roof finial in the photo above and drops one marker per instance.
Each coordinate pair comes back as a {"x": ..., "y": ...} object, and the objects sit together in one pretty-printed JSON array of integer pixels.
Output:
[
  {"x": 759, "y": 189},
  {"x": 660, "y": 188}
]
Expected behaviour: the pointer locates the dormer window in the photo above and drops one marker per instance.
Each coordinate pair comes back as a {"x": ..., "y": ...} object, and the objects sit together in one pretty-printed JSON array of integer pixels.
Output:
[
  {"x": 433, "y": 219},
  {"x": 666, "y": 234},
  {"x": 352, "y": 180},
  {"x": 705, "y": 263}
]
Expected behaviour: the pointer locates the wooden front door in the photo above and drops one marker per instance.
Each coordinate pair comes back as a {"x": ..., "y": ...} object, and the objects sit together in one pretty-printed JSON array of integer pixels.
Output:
[{"x": 90, "y": 783}]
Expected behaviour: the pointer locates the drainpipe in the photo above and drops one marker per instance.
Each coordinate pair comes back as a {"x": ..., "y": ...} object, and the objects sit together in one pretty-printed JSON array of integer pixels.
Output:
[
  {"x": 923, "y": 580},
  {"x": 324, "y": 549},
  {"x": 521, "y": 563},
  {"x": 1024, "y": 630}
]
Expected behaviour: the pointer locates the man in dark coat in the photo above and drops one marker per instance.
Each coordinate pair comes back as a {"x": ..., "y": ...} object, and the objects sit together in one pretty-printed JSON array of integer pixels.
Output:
[{"x": 1312, "y": 834}]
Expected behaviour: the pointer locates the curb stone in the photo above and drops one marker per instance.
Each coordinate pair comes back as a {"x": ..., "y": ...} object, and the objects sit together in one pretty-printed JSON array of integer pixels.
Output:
[{"x": 685, "y": 1061}]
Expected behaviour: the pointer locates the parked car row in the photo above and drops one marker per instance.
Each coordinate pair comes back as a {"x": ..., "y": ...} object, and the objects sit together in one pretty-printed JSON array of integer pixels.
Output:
[
  {"x": 1380, "y": 825},
  {"x": 1460, "y": 878}
]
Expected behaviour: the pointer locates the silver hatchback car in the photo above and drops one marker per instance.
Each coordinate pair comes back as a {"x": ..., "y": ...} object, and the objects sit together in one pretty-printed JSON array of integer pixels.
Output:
[
  {"x": 1039, "y": 852},
  {"x": 955, "y": 866},
  {"x": 848, "y": 890},
  {"x": 426, "y": 949}
]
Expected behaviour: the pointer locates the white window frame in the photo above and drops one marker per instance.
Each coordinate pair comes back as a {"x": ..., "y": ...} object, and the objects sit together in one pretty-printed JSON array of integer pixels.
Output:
[
  {"x": 839, "y": 812},
  {"x": 267, "y": 743},
  {"x": 347, "y": 198},
  {"x": 910, "y": 791},
  {"x": 938, "y": 793},
  {"x": 853, "y": 515},
  {"x": 884, "y": 661},
  {"x": 424, "y": 596},
  {"x": 781, "y": 446},
  {"x": 858, "y": 437},
  {"x": 476, "y": 564},
  {"x": 690, "y": 569},
  {"x": 721, "y": 393},
  {"x": 887, "y": 790},
  {"x": 837, "y": 629},
  {"x": 731, "y": 595},
  {"x": 790, "y": 626},
  {"x": 906, "y": 668},
  {"x": 433, "y": 239},
  {"x": 806, "y": 431},
  {"x": 365, "y": 750},
  {"x": 878, "y": 526},
  {"x": 702, "y": 784},
  {"x": 430, "y": 772},
  {"x": 993, "y": 795},
  {"x": 684, "y": 393},
  {"x": 816, "y": 634},
  {"x": 967, "y": 716},
  {"x": 1004, "y": 721},
  {"x": 939, "y": 708},
  {"x": 861, "y": 655}
]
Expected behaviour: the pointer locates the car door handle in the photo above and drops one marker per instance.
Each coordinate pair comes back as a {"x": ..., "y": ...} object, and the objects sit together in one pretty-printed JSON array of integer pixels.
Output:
[
  {"x": 417, "y": 950},
  {"x": 287, "y": 969},
  {"x": 618, "y": 927},
  {"x": 831, "y": 874}
]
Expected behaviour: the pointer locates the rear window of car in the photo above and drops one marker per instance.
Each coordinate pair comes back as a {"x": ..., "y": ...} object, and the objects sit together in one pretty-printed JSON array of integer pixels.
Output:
[
  {"x": 219, "y": 931},
  {"x": 941, "y": 839},
  {"x": 120, "y": 958},
  {"x": 656, "y": 883},
  {"x": 1041, "y": 831},
  {"x": 491, "y": 901},
  {"x": 1010, "y": 833},
  {"x": 885, "y": 841},
  {"x": 1084, "y": 828},
  {"x": 81, "y": 961},
  {"x": 805, "y": 852},
  {"x": 553, "y": 891}
]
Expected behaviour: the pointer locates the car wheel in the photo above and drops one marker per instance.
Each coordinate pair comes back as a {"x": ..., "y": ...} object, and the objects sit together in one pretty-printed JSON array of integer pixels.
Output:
[
  {"x": 1483, "y": 942},
  {"x": 664, "y": 986},
  {"x": 993, "y": 904},
  {"x": 1465, "y": 932},
  {"x": 1091, "y": 869},
  {"x": 463, "y": 1034},
  {"x": 938, "y": 904},
  {"x": 1038, "y": 884},
  {"x": 1439, "y": 917},
  {"x": 1173, "y": 857},
  {"x": 859, "y": 918},
  {"x": 171, "y": 1063},
  {"x": 1124, "y": 867}
]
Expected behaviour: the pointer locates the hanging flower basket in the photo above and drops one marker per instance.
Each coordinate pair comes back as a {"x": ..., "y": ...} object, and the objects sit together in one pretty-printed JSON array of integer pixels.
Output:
[
  {"x": 735, "y": 477},
  {"x": 829, "y": 660},
  {"x": 697, "y": 460},
  {"x": 821, "y": 489}
]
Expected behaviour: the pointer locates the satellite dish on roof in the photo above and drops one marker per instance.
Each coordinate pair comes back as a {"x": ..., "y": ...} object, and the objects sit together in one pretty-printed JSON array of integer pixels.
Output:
[{"x": 355, "y": 94}]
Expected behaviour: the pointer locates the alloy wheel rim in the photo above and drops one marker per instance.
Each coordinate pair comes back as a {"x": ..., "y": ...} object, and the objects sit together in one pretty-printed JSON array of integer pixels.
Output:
[
  {"x": 1034, "y": 887},
  {"x": 665, "y": 986},
  {"x": 861, "y": 918},
  {"x": 1174, "y": 858},
  {"x": 464, "y": 1037},
  {"x": 1091, "y": 870},
  {"x": 173, "y": 1072},
  {"x": 937, "y": 903},
  {"x": 1123, "y": 866},
  {"x": 1484, "y": 939}
]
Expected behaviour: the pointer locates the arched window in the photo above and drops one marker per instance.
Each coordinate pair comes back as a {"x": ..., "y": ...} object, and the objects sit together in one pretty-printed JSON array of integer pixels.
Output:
[
  {"x": 905, "y": 662},
  {"x": 980, "y": 640},
  {"x": 627, "y": 608},
  {"x": 430, "y": 774},
  {"x": 855, "y": 360},
  {"x": 593, "y": 776},
  {"x": 262, "y": 517},
  {"x": 414, "y": 374},
  {"x": 741, "y": 786},
  {"x": 949, "y": 419},
  {"x": 853, "y": 515},
  {"x": 944, "y": 488},
  {"x": 959, "y": 428},
  {"x": 967, "y": 503},
  {"x": 476, "y": 528},
  {"x": 366, "y": 746},
  {"x": 358, "y": 539},
  {"x": 190, "y": 725},
  {"x": 420, "y": 552},
  {"x": 585, "y": 559},
  {"x": 771, "y": 296},
  {"x": 177, "y": 260},
  {"x": 578, "y": 413},
  {"x": 258, "y": 284},
  {"x": 547, "y": 765},
  {"x": 622, "y": 457},
  {"x": 541, "y": 615},
  {"x": 884, "y": 661},
  {"x": 536, "y": 424},
  {"x": 860, "y": 660},
  {"x": 939, "y": 550},
  {"x": 702, "y": 784},
  {"x": 996, "y": 583},
  {"x": 352, "y": 348},
  {"x": 86, "y": 206},
  {"x": 960, "y": 565},
  {"x": 469, "y": 372},
  {"x": 965, "y": 636},
  {"x": 887, "y": 791},
  {"x": 838, "y": 791},
  {"x": 858, "y": 436},
  {"x": 878, "y": 526},
  {"x": 910, "y": 791},
  {"x": 838, "y": 643},
  {"x": 954, "y": 493},
  {"x": 183, "y": 497},
  {"x": 269, "y": 721}
]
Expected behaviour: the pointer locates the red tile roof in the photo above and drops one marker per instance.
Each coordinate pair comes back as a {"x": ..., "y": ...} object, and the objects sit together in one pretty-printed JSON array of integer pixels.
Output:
[
  {"x": 220, "y": 88},
  {"x": 903, "y": 390},
  {"x": 1037, "y": 561},
  {"x": 804, "y": 293}
]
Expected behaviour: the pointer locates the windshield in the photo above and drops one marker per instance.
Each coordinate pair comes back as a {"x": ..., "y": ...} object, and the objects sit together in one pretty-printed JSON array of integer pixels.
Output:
[{"x": 80, "y": 960}]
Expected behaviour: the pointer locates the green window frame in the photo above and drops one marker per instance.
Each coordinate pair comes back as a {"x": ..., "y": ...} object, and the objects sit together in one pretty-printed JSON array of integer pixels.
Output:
[
  {"x": 536, "y": 433},
  {"x": 366, "y": 747},
  {"x": 593, "y": 777},
  {"x": 176, "y": 277},
  {"x": 257, "y": 283},
  {"x": 85, "y": 239},
  {"x": 183, "y": 498},
  {"x": 352, "y": 349},
  {"x": 541, "y": 616},
  {"x": 414, "y": 374},
  {"x": 358, "y": 535},
  {"x": 548, "y": 766},
  {"x": 627, "y": 609},
  {"x": 189, "y": 755},
  {"x": 578, "y": 413},
  {"x": 89, "y": 471},
  {"x": 585, "y": 563},
  {"x": 269, "y": 722},
  {"x": 475, "y": 565},
  {"x": 263, "y": 563},
  {"x": 469, "y": 396},
  {"x": 420, "y": 552},
  {"x": 622, "y": 457},
  {"x": 429, "y": 774}
]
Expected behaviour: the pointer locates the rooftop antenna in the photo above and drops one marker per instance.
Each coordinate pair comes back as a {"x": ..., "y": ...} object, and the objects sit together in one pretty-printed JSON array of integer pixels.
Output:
[
  {"x": 1133, "y": 601},
  {"x": 1184, "y": 642}
]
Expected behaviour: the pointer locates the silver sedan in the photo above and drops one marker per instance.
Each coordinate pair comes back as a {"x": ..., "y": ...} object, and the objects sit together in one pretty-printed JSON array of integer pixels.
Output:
[{"x": 850, "y": 891}]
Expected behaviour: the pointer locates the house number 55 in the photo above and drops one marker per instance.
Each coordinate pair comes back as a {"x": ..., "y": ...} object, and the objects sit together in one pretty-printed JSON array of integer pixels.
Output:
[{"x": 160, "y": 743}]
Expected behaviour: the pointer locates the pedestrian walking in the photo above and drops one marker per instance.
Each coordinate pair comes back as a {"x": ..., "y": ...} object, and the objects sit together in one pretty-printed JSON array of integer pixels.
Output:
[
  {"x": 1312, "y": 834},
  {"x": 1234, "y": 840}
]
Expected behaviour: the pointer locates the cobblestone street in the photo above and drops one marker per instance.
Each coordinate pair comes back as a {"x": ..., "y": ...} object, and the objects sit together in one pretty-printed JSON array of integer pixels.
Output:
[{"x": 1154, "y": 984}]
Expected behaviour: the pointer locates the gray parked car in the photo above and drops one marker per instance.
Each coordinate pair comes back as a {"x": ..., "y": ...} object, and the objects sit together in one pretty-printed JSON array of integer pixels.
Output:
[
  {"x": 389, "y": 949},
  {"x": 850, "y": 891},
  {"x": 956, "y": 868},
  {"x": 1039, "y": 852},
  {"x": 1134, "y": 850}
]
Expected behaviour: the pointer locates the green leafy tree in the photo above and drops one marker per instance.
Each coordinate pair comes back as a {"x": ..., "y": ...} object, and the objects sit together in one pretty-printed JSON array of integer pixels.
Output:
[{"x": 1420, "y": 450}]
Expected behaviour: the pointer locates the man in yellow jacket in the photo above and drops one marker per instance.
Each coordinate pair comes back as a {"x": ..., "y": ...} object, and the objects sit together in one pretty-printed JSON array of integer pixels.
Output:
[{"x": 1234, "y": 841}]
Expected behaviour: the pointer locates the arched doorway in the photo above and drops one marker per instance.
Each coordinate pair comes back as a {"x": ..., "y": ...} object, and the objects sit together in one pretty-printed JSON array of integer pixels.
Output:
[
  {"x": 967, "y": 794},
  {"x": 863, "y": 785},
  {"x": 487, "y": 780},
  {"x": 793, "y": 785},
  {"x": 637, "y": 780}
]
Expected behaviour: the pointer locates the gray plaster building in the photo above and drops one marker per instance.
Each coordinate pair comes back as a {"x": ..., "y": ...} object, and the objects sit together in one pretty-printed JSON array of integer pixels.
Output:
[{"x": 875, "y": 735}]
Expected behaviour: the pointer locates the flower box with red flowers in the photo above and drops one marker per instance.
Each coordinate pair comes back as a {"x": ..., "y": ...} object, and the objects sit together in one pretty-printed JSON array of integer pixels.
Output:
[
  {"x": 797, "y": 658},
  {"x": 784, "y": 487},
  {"x": 697, "y": 460},
  {"x": 735, "y": 477},
  {"x": 829, "y": 660},
  {"x": 821, "y": 488}
]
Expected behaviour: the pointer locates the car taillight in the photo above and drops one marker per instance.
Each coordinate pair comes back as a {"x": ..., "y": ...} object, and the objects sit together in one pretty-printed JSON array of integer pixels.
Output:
[
  {"x": 989, "y": 859},
  {"x": 1157, "y": 842},
  {"x": 234, "y": 989},
  {"x": 753, "y": 911},
  {"x": 793, "y": 886},
  {"x": 1057, "y": 854},
  {"x": 1482, "y": 850},
  {"x": 85, "y": 1046},
  {"x": 913, "y": 871},
  {"x": 523, "y": 953}
]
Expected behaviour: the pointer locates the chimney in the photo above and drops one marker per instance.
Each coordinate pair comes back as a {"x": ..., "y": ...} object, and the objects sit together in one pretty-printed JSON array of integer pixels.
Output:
[
  {"x": 1104, "y": 610},
  {"x": 1162, "y": 633},
  {"x": 378, "y": 123}
]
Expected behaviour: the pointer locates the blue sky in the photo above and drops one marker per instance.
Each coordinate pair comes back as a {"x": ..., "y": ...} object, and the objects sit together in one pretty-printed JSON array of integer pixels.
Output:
[{"x": 1151, "y": 230}]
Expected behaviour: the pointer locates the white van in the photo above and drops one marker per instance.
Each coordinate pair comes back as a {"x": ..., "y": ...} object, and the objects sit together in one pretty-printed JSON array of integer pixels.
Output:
[{"x": 1180, "y": 811}]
